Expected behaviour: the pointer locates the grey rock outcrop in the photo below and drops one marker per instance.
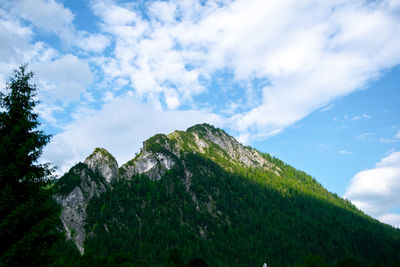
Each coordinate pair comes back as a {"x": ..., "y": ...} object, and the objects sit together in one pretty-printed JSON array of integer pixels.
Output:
[
  {"x": 239, "y": 153},
  {"x": 154, "y": 165},
  {"x": 78, "y": 186},
  {"x": 205, "y": 137},
  {"x": 158, "y": 155},
  {"x": 103, "y": 163}
]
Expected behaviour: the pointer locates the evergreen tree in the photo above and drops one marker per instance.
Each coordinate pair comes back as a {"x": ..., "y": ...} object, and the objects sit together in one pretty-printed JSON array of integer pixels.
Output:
[
  {"x": 28, "y": 213},
  {"x": 175, "y": 258}
]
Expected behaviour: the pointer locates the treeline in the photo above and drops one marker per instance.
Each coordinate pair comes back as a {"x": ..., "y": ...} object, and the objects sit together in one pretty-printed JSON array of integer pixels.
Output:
[{"x": 234, "y": 220}]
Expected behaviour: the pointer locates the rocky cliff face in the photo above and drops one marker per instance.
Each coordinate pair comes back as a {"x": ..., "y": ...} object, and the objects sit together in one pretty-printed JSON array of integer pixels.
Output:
[
  {"x": 103, "y": 163},
  {"x": 78, "y": 186},
  {"x": 216, "y": 144},
  {"x": 158, "y": 155},
  {"x": 237, "y": 152},
  {"x": 154, "y": 165}
]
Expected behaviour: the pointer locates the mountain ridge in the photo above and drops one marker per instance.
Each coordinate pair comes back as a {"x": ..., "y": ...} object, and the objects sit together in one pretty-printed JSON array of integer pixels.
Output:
[{"x": 200, "y": 168}]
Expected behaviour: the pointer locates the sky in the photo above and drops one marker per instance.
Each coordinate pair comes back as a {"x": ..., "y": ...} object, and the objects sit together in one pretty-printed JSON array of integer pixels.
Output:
[{"x": 314, "y": 83}]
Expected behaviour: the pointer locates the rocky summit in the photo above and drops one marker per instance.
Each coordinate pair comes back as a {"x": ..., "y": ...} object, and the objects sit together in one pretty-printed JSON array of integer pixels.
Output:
[
  {"x": 202, "y": 195},
  {"x": 158, "y": 155}
]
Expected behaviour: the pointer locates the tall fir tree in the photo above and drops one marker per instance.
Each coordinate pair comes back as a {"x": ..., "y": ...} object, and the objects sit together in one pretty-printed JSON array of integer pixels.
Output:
[{"x": 28, "y": 213}]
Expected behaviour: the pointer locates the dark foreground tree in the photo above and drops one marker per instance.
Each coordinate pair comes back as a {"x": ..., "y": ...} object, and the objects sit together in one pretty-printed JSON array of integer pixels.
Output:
[
  {"x": 197, "y": 262},
  {"x": 28, "y": 213}
]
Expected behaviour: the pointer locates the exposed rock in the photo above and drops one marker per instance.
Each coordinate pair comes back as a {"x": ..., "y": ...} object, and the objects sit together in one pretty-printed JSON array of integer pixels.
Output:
[
  {"x": 205, "y": 135},
  {"x": 158, "y": 155},
  {"x": 234, "y": 149},
  {"x": 73, "y": 216},
  {"x": 154, "y": 165},
  {"x": 74, "y": 203},
  {"x": 103, "y": 163},
  {"x": 200, "y": 143}
]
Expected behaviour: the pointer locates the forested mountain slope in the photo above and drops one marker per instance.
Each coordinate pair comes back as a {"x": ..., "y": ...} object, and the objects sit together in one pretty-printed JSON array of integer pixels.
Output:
[{"x": 202, "y": 193}]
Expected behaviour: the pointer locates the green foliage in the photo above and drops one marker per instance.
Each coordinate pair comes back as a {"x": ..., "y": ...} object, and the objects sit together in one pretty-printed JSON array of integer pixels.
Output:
[
  {"x": 90, "y": 259},
  {"x": 20, "y": 142},
  {"x": 73, "y": 178},
  {"x": 158, "y": 143},
  {"x": 175, "y": 259},
  {"x": 202, "y": 129},
  {"x": 235, "y": 218},
  {"x": 196, "y": 262},
  {"x": 211, "y": 207},
  {"x": 70, "y": 180},
  {"x": 104, "y": 153},
  {"x": 314, "y": 261},
  {"x": 348, "y": 262},
  {"x": 28, "y": 213}
]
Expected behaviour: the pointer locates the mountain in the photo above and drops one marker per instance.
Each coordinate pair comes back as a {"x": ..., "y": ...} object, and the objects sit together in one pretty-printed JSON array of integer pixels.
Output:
[{"x": 201, "y": 194}]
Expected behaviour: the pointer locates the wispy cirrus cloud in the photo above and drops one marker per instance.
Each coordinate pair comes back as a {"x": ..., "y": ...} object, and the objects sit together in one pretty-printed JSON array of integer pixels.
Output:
[
  {"x": 363, "y": 116},
  {"x": 394, "y": 139},
  {"x": 397, "y": 135}
]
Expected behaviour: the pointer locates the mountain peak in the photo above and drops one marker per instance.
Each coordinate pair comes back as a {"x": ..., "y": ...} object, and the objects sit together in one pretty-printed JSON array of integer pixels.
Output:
[
  {"x": 204, "y": 127},
  {"x": 201, "y": 185},
  {"x": 215, "y": 143},
  {"x": 102, "y": 162}
]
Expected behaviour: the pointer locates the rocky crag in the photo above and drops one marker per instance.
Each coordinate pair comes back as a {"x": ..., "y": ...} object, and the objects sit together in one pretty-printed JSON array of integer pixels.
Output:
[
  {"x": 158, "y": 155},
  {"x": 204, "y": 193}
]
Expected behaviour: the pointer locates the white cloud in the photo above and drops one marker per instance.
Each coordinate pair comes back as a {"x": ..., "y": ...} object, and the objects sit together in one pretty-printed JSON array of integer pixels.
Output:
[
  {"x": 329, "y": 107},
  {"x": 63, "y": 79},
  {"x": 387, "y": 140},
  {"x": 14, "y": 38},
  {"x": 376, "y": 191},
  {"x": 390, "y": 218},
  {"x": 48, "y": 15},
  {"x": 92, "y": 42},
  {"x": 310, "y": 52},
  {"x": 47, "y": 113},
  {"x": 163, "y": 11},
  {"x": 397, "y": 135},
  {"x": 113, "y": 14},
  {"x": 366, "y": 137},
  {"x": 52, "y": 16},
  {"x": 108, "y": 96},
  {"x": 120, "y": 126},
  {"x": 363, "y": 116},
  {"x": 345, "y": 152},
  {"x": 17, "y": 47},
  {"x": 395, "y": 139}
]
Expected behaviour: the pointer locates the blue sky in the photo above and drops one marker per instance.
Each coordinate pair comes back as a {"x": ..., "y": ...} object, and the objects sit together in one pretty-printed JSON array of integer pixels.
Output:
[{"x": 314, "y": 84}]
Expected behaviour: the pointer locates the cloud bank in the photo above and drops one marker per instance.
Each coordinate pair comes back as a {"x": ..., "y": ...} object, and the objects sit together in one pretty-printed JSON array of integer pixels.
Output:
[
  {"x": 309, "y": 52},
  {"x": 376, "y": 191},
  {"x": 292, "y": 57}
]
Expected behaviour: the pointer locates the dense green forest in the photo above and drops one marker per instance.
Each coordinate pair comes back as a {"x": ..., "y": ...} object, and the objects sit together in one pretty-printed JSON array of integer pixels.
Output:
[
  {"x": 239, "y": 222},
  {"x": 232, "y": 215}
]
